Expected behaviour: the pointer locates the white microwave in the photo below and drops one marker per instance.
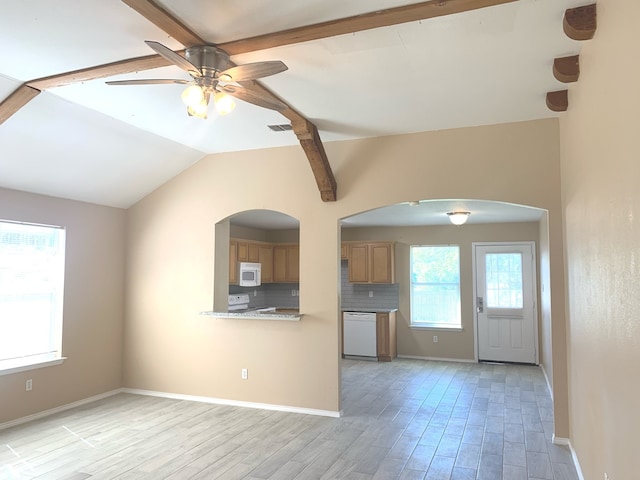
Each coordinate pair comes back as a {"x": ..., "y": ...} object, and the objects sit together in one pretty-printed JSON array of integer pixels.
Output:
[{"x": 249, "y": 274}]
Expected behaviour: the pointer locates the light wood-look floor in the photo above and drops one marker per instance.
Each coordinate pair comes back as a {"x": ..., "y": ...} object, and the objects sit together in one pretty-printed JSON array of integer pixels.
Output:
[{"x": 408, "y": 419}]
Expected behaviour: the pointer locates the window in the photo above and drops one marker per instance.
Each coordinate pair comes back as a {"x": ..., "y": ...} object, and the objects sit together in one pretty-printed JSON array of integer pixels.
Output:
[
  {"x": 31, "y": 293},
  {"x": 435, "y": 286},
  {"x": 504, "y": 280}
]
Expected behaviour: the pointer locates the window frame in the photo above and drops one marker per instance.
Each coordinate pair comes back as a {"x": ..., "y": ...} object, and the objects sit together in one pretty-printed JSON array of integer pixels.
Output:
[
  {"x": 420, "y": 325},
  {"x": 54, "y": 355}
]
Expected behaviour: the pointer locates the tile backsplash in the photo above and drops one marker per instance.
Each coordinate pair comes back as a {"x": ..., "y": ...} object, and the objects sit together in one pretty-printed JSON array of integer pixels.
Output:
[
  {"x": 353, "y": 295},
  {"x": 269, "y": 295},
  {"x": 356, "y": 295}
]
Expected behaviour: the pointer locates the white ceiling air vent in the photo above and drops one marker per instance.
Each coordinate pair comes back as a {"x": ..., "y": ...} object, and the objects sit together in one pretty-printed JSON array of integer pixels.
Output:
[{"x": 284, "y": 127}]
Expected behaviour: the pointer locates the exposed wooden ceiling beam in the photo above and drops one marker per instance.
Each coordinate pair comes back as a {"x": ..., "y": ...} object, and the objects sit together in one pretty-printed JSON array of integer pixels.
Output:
[
  {"x": 18, "y": 99},
  {"x": 305, "y": 130},
  {"x": 309, "y": 138},
  {"x": 100, "y": 71},
  {"x": 311, "y": 143},
  {"x": 358, "y": 23},
  {"x": 166, "y": 21},
  {"x": 558, "y": 101},
  {"x": 580, "y": 23},
  {"x": 567, "y": 69}
]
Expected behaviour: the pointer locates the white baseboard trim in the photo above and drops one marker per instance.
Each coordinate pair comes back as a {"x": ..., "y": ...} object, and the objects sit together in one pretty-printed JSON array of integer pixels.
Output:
[
  {"x": 544, "y": 372},
  {"x": 61, "y": 408},
  {"x": 438, "y": 359},
  {"x": 574, "y": 456},
  {"x": 560, "y": 440},
  {"x": 234, "y": 403}
]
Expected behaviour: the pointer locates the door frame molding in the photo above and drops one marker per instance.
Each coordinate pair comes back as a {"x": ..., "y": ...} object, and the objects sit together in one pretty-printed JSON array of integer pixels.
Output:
[{"x": 534, "y": 273}]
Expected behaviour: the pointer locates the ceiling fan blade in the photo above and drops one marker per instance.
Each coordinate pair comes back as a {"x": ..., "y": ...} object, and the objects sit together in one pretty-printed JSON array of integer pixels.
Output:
[
  {"x": 149, "y": 81},
  {"x": 252, "y": 96},
  {"x": 251, "y": 71},
  {"x": 174, "y": 58}
]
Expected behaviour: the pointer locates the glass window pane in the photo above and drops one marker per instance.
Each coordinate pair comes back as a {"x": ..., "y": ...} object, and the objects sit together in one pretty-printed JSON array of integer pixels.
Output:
[
  {"x": 435, "y": 285},
  {"x": 504, "y": 280},
  {"x": 31, "y": 290}
]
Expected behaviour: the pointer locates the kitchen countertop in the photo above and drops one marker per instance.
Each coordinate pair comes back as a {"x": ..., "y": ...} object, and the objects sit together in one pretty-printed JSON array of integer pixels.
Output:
[
  {"x": 372, "y": 310},
  {"x": 287, "y": 314}
]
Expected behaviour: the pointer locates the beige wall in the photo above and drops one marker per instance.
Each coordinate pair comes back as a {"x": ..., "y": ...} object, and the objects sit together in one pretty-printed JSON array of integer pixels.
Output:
[
  {"x": 171, "y": 243},
  {"x": 457, "y": 345},
  {"x": 601, "y": 199},
  {"x": 93, "y": 305}
]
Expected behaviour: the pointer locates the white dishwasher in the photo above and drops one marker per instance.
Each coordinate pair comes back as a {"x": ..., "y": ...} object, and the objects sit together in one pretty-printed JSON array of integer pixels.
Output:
[{"x": 360, "y": 334}]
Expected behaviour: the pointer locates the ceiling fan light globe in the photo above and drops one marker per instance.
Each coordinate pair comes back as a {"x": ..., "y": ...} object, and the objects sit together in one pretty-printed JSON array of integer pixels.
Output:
[
  {"x": 199, "y": 110},
  {"x": 224, "y": 103},
  {"x": 193, "y": 95}
]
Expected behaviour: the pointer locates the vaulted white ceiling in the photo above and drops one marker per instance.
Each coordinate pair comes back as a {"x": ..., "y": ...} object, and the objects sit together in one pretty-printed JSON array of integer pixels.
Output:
[{"x": 114, "y": 145}]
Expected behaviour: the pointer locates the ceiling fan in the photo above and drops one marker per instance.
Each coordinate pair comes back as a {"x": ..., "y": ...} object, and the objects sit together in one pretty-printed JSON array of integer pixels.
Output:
[
  {"x": 214, "y": 76},
  {"x": 209, "y": 81}
]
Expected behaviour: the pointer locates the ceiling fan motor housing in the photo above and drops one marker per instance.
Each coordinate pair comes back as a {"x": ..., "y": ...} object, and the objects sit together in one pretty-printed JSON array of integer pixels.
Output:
[{"x": 209, "y": 59}]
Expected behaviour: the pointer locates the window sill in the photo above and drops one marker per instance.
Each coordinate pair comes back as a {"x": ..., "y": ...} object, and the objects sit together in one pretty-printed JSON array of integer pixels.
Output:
[
  {"x": 7, "y": 368},
  {"x": 437, "y": 327}
]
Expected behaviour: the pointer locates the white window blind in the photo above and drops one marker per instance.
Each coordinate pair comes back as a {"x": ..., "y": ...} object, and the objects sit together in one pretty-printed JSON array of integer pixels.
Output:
[{"x": 31, "y": 293}]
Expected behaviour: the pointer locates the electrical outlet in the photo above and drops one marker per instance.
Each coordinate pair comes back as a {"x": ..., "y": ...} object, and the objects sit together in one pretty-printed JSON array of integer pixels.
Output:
[
  {"x": 435, "y": 339},
  {"x": 293, "y": 293},
  {"x": 28, "y": 386},
  {"x": 370, "y": 293},
  {"x": 245, "y": 373}
]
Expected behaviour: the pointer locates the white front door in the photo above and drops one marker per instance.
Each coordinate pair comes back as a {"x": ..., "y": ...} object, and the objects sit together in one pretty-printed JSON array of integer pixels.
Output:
[{"x": 506, "y": 319}]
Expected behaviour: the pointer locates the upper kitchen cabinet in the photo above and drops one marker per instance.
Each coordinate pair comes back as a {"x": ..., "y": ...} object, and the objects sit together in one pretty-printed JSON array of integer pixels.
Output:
[
  {"x": 371, "y": 262},
  {"x": 247, "y": 252},
  {"x": 233, "y": 262},
  {"x": 253, "y": 234},
  {"x": 286, "y": 263},
  {"x": 265, "y": 259},
  {"x": 250, "y": 251}
]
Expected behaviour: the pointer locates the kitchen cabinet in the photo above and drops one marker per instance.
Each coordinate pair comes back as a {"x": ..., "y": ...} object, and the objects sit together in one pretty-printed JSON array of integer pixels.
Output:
[
  {"x": 385, "y": 335},
  {"x": 247, "y": 252},
  {"x": 371, "y": 262},
  {"x": 265, "y": 259},
  {"x": 278, "y": 263},
  {"x": 286, "y": 263},
  {"x": 344, "y": 251},
  {"x": 233, "y": 262}
]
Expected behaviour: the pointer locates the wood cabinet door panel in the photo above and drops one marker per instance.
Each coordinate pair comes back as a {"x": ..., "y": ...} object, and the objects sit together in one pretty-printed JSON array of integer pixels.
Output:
[
  {"x": 265, "y": 258},
  {"x": 293, "y": 263},
  {"x": 279, "y": 263},
  {"x": 358, "y": 263},
  {"x": 381, "y": 255},
  {"x": 382, "y": 330},
  {"x": 243, "y": 251},
  {"x": 252, "y": 252},
  {"x": 233, "y": 263}
]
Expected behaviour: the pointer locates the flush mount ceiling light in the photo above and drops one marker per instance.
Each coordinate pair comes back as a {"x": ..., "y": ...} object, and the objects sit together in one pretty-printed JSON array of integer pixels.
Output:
[{"x": 458, "y": 218}]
